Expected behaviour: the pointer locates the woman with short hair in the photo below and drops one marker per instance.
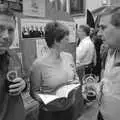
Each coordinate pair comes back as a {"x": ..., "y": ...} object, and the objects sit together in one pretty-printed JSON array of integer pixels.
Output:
[{"x": 56, "y": 69}]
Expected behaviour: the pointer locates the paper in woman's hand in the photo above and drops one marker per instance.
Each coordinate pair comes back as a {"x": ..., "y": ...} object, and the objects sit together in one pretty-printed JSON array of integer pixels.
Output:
[
  {"x": 47, "y": 98},
  {"x": 63, "y": 103},
  {"x": 62, "y": 92}
]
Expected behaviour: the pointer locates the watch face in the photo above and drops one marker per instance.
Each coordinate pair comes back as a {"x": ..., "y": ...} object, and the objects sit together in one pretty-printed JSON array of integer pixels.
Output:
[{"x": 11, "y": 75}]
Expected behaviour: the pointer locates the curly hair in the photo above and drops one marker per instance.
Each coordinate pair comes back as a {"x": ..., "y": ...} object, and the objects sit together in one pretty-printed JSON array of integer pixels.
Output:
[{"x": 55, "y": 31}]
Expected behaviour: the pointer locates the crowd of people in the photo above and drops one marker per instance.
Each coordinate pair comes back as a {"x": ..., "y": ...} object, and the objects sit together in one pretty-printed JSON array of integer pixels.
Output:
[{"x": 97, "y": 53}]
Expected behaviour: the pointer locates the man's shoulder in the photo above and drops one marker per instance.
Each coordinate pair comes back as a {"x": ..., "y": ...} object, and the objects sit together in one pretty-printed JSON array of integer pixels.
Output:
[
  {"x": 90, "y": 43},
  {"x": 86, "y": 41}
]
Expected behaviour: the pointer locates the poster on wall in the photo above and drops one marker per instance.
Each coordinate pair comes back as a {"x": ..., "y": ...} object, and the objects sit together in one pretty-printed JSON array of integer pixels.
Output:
[
  {"x": 15, "y": 43},
  {"x": 33, "y": 28},
  {"x": 77, "y": 7},
  {"x": 72, "y": 28},
  {"x": 41, "y": 48},
  {"x": 34, "y": 8}
]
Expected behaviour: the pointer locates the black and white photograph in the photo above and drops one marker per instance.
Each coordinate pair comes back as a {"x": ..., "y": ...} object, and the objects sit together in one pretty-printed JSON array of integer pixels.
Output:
[{"x": 59, "y": 59}]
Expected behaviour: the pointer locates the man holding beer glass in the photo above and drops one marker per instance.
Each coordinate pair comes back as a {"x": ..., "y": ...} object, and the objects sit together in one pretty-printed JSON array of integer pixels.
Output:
[{"x": 11, "y": 86}]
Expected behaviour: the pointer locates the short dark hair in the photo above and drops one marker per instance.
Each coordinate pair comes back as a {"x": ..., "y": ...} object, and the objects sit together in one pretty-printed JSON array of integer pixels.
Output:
[
  {"x": 55, "y": 31},
  {"x": 86, "y": 29}
]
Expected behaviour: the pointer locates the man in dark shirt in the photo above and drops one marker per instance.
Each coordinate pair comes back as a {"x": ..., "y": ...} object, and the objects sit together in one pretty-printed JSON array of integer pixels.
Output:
[{"x": 11, "y": 104}]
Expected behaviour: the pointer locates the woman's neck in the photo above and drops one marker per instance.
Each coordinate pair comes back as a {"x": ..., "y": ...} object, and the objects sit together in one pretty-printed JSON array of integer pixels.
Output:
[{"x": 55, "y": 54}]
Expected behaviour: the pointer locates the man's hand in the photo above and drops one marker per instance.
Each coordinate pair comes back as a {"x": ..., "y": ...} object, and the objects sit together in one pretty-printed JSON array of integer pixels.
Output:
[{"x": 17, "y": 87}]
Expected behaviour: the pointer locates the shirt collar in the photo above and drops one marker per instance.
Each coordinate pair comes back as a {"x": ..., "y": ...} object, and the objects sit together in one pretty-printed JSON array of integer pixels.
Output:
[{"x": 86, "y": 38}]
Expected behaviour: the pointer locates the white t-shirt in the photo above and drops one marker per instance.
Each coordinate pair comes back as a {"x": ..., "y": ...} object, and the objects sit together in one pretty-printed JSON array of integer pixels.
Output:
[{"x": 85, "y": 52}]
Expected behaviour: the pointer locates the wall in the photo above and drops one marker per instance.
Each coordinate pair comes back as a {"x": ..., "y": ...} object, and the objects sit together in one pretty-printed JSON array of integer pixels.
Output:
[
  {"x": 53, "y": 13},
  {"x": 91, "y": 5}
]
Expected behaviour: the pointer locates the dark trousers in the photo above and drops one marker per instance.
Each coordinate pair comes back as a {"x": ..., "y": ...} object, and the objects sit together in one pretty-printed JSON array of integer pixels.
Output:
[
  {"x": 89, "y": 69},
  {"x": 59, "y": 115},
  {"x": 71, "y": 113}
]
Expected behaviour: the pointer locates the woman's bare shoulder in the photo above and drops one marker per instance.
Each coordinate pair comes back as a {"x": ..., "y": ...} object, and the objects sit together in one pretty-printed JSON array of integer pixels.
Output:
[
  {"x": 39, "y": 62},
  {"x": 67, "y": 56}
]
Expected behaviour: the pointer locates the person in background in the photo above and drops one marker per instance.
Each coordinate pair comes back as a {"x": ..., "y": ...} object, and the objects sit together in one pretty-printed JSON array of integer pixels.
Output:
[
  {"x": 85, "y": 52},
  {"x": 11, "y": 104},
  {"x": 54, "y": 70},
  {"x": 98, "y": 41}
]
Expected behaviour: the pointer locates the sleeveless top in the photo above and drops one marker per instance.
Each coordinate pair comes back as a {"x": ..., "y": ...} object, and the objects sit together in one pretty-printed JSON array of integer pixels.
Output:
[{"x": 54, "y": 75}]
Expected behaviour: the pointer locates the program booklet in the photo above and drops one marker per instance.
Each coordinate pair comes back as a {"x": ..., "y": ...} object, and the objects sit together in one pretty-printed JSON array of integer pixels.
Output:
[{"x": 62, "y": 92}]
